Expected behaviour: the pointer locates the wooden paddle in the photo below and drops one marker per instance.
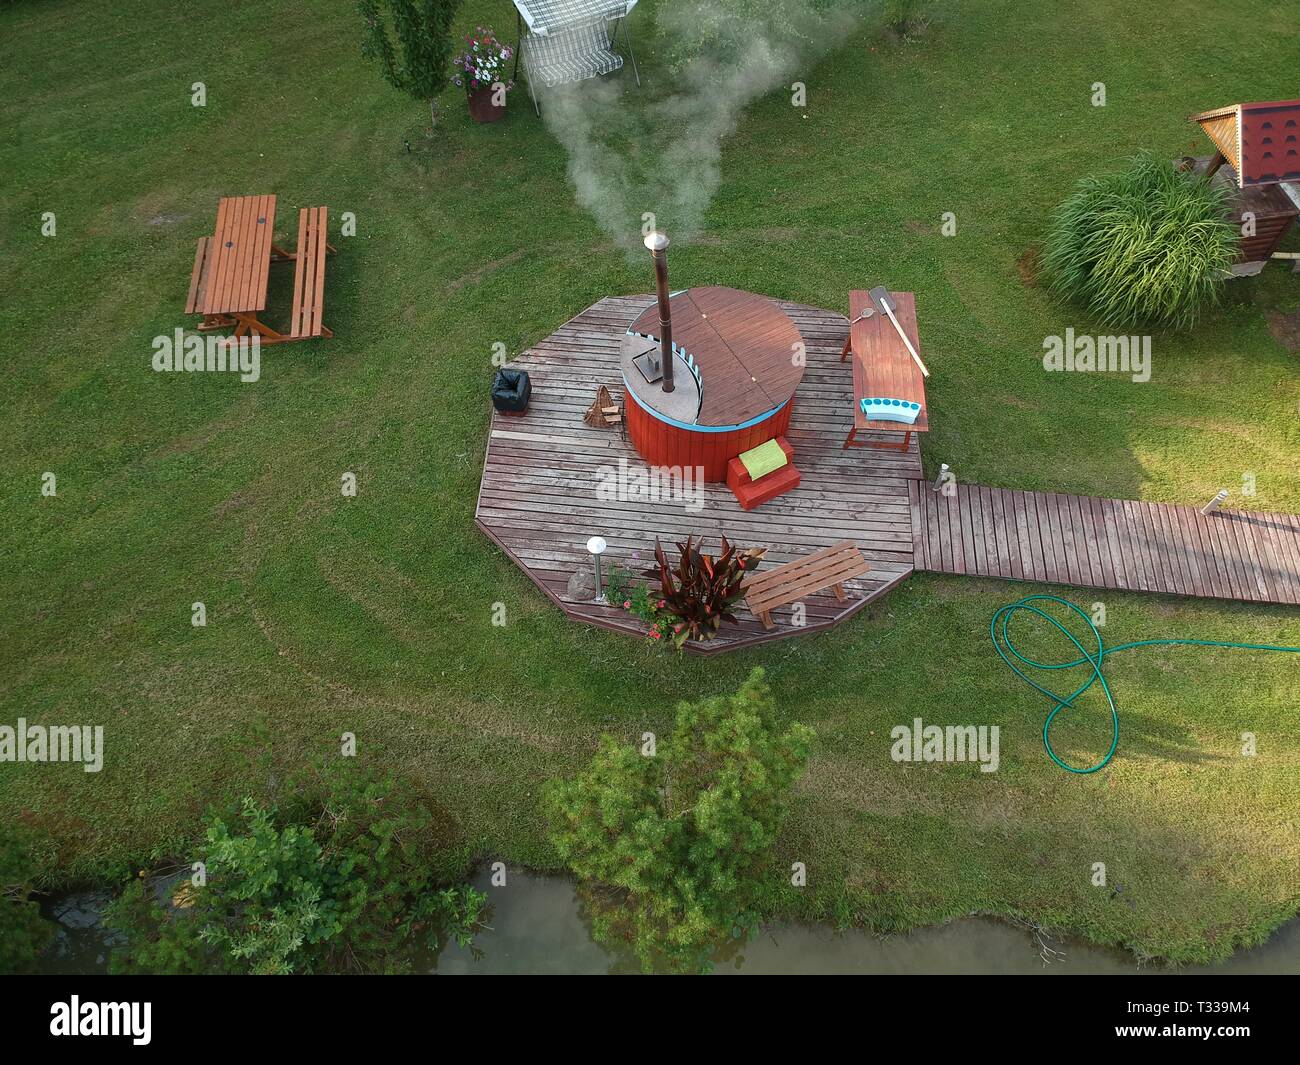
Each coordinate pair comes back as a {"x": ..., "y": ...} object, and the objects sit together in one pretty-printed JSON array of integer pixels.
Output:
[{"x": 884, "y": 303}]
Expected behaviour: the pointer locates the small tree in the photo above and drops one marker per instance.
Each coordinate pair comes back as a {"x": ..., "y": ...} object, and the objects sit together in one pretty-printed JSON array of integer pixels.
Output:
[
  {"x": 670, "y": 846},
  {"x": 422, "y": 29}
]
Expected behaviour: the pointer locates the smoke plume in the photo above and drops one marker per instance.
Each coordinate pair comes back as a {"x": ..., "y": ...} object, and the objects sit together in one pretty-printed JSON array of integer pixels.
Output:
[{"x": 657, "y": 149}]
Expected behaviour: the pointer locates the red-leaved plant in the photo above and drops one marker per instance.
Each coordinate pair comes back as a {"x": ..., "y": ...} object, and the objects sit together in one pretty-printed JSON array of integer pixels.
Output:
[{"x": 702, "y": 589}]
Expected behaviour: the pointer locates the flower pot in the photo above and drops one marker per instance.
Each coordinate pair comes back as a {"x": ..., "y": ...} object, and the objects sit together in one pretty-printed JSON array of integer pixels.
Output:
[{"x": 481, "y": 107}]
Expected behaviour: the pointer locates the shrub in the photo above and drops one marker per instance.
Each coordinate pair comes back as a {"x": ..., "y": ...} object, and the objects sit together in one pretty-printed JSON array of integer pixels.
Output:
[
  {"x": 24, "y": 933},
  {"x": 1148, "y": 246},
  {"x": 670, "y": 848},
  {"x": 415, "y": 56},
  {"x": 701, "y": 591},
  {"x": 339, "y": 885}
]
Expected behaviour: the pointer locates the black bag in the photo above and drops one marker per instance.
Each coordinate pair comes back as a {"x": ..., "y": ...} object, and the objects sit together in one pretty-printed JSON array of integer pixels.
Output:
[{"x": 511, "y": 389}]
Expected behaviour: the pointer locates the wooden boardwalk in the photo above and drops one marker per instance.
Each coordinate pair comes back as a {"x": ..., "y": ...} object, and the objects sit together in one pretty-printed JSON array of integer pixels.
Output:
[
  {"x": 538, "y": 500},
  {"x": 1106, "y": 543}
]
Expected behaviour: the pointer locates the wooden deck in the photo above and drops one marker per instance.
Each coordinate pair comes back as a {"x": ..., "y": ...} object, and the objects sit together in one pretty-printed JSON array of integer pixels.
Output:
[
  {"x": 1107, "y": 543},
  {"x": 538, "y": 502},
  {"x": 538, "y": 499}
]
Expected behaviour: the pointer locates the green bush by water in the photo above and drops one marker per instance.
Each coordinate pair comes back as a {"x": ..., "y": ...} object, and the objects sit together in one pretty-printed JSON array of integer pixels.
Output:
[{"x": 334, "y": 882}]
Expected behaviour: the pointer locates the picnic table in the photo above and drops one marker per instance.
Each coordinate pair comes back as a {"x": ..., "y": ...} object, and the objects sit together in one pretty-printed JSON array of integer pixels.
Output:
[
  {"x": 883, "y": 367},
  {"x": 231, "y": 268}
]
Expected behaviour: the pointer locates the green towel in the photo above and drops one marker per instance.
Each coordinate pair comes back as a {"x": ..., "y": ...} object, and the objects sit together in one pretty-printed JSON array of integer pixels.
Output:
[{"x": 762, "y": 460}]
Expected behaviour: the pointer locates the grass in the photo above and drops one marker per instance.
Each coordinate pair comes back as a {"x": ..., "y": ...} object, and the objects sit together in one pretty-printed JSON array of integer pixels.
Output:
[{"x": 373, "y": 615}]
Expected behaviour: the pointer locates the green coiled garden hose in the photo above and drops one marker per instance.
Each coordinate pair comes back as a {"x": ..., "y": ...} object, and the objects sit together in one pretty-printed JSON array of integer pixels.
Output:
[{"x": 1000, "y": 632}]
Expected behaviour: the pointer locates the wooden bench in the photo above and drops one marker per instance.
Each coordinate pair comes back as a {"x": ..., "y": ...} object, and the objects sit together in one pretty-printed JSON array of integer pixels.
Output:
[
  {"x": 827, "y": 568},
  {"x": 199, "y": 278},
  {"x": 309, "y": 275},
  {"x": 883, "y": 367}
]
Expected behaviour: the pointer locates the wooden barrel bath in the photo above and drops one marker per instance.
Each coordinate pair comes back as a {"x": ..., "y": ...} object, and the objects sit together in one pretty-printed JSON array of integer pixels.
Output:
[{"x": 738, "y": 359}]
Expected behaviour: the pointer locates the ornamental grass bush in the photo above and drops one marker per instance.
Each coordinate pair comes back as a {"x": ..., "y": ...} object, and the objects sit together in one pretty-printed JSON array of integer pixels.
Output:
[{"x": 1148, "y": 246}]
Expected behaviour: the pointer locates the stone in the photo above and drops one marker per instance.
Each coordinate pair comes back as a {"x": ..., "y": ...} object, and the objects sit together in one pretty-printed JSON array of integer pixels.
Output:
[{"x": 582, "y": 586}]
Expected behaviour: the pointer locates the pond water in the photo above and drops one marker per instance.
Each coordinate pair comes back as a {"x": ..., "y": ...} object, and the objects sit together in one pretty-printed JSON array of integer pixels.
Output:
[{"x": 536, "y": 926}]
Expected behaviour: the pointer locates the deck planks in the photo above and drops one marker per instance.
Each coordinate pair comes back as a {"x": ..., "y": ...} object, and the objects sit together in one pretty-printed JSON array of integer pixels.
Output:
[
  {"x": 538, "y": 502},
  {"x": 1109, "y": 543}
]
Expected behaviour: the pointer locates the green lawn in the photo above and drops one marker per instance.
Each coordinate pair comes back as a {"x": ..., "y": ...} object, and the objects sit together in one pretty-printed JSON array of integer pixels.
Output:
[{"x": 373, "y": 614}]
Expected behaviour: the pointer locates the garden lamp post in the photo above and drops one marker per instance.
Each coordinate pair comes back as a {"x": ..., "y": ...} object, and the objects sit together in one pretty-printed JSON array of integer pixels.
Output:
[
  {"x": 939, "y": 481},
  {"x": 657, "y": 244},
  {"x": 1220, "y": 497},
  {"x": 596, "y": 545}
]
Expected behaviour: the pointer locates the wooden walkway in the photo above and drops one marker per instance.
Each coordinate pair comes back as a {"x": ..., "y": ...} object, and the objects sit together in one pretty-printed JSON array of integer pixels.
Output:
[
  {"x": 538, "y": 500},
  {"x": 1106, "y": 543}
]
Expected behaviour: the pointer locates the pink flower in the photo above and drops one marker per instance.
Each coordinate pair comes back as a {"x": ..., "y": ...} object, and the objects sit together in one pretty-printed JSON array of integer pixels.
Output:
[
  {"x": 678, "y": 628},
  {"x": 654, "y": 634},
  {"x": 627, "y": 604},
  {"x": 660, "y": 604}
]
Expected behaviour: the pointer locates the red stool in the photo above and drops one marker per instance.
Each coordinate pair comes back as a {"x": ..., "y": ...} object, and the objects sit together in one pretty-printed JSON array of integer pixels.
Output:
[{"x": 751, "y": 493}]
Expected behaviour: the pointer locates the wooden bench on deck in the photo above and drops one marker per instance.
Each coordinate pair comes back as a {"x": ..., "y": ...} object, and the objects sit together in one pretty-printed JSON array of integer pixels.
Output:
[
  {"x": 883, "y": 368},
  {"x": 787, "y": 584}
]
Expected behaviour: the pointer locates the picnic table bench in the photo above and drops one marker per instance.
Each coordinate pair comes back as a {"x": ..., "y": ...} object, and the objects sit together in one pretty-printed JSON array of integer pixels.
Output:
[
  {"x": 882, "y": 366},
  {"x": 786, "y": 584},
  {"x": 231, "y": 269}
]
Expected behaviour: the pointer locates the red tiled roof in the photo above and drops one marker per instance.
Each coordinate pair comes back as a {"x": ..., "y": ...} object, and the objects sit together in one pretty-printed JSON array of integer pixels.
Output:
[{"x": 1261, "y": 140}]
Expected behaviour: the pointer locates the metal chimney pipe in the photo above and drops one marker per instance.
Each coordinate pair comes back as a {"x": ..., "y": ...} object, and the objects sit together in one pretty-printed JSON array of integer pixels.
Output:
[{"x": 657, "y": 243}]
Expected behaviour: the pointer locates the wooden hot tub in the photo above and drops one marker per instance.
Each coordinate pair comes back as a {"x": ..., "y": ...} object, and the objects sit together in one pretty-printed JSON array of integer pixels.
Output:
[{"x": 738, "y": 359}]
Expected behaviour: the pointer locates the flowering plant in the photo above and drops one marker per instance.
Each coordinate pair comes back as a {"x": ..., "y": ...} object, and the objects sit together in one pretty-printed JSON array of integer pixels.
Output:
[
  {"x": 484, "y": 62},
  {"x": 702, "y": 590},
  {"x": 662, "y": 625}
]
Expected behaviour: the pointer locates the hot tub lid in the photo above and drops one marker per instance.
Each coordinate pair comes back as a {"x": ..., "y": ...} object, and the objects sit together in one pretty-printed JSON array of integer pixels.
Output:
[{"x": 739, "y": 347}]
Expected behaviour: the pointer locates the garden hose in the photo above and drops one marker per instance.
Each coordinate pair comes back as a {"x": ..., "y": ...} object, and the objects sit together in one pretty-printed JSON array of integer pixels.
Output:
[{"x": 1002, "y": 642}]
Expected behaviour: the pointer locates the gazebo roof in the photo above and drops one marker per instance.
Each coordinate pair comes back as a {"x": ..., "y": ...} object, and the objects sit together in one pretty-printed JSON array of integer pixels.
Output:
[
  {"x": 546, "y": 16},
  {"x": 1261, "y": 141}
]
